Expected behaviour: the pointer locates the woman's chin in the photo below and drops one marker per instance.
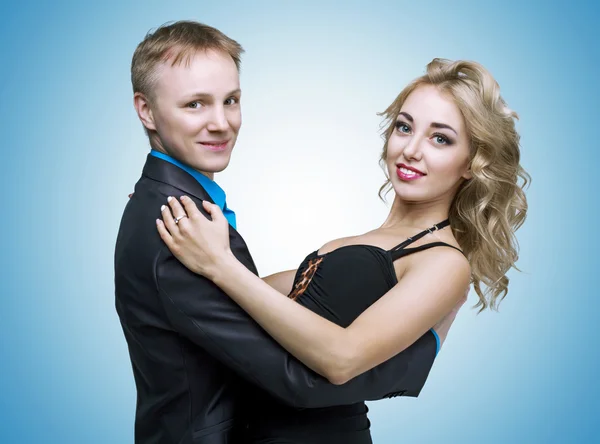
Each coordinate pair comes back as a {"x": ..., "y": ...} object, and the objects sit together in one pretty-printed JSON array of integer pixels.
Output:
[{"x": 410, "y": 193}]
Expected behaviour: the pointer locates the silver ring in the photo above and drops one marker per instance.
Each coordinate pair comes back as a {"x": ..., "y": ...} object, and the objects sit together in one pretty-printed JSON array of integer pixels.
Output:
[{"x": 177, "y": 219}]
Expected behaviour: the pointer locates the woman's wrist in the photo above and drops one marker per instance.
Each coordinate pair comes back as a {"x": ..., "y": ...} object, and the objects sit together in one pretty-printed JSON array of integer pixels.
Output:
[{"x": 224, "y": 266}]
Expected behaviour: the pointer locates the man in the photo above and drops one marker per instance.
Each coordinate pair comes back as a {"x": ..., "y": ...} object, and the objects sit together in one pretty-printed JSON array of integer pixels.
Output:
[{"x": 189, "y": 343}]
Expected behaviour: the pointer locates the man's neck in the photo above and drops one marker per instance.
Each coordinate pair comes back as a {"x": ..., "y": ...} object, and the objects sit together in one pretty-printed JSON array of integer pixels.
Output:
[{"x": 160, "y": 149}]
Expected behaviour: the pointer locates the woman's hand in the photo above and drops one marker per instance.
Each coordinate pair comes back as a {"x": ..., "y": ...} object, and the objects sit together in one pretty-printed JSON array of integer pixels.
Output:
[{"x": 202, "y": 245}]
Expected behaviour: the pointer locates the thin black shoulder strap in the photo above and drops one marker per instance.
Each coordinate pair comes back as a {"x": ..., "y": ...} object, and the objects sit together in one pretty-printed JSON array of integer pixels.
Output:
[
  {"x": 418, "y": 236},
  {"x": 397, "y": 254}
]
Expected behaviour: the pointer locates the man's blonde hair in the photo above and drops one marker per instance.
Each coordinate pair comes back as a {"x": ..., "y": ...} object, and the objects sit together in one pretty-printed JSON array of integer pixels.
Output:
[{"x": 176, "y": 42}]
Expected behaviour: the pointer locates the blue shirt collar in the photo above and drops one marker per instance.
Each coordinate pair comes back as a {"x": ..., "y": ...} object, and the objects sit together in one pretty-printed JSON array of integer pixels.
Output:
[{"x": 215, "y": 192}]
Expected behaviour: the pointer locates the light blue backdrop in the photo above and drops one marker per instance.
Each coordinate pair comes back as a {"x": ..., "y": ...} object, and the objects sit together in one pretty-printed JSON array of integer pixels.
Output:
[{"x": 72, "y": 149}]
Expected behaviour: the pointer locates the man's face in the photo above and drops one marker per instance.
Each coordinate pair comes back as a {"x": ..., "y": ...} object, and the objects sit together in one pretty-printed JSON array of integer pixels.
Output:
[{"x": 194, "y": 114}]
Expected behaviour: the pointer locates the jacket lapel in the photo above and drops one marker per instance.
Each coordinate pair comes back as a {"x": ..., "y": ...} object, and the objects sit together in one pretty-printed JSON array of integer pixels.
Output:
[{"x": 167, "y": 173}]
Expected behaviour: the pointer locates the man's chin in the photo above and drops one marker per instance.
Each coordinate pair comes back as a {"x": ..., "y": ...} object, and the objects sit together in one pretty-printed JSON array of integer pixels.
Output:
[{"x": 213, "y": 166}]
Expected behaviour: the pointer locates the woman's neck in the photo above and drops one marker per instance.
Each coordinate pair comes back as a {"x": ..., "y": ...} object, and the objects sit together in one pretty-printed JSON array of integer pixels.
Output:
[{"x": 420, "y": 215}]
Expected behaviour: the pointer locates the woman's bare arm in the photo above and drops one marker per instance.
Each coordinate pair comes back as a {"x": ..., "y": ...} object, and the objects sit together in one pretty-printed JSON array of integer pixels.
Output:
[{"x": 282, "y": 281}]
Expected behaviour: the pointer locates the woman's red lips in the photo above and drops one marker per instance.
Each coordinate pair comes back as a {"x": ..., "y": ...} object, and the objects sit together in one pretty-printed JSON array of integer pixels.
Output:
[
  {"x": 407, "y": 173},
  {"x": 413, "y": 169}
]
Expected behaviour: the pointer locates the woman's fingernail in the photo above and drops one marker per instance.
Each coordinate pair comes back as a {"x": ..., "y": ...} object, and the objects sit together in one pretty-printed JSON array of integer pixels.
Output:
[
  {"x": 162, "y": 208},
  {"x": 158, "y": 221},
  {"x": 169, "y": 198},
  {"x": 183, "y": 197}
]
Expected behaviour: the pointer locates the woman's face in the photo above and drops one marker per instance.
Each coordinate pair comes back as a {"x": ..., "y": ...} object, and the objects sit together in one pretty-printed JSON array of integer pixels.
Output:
[{"x": 428, "y": 151}]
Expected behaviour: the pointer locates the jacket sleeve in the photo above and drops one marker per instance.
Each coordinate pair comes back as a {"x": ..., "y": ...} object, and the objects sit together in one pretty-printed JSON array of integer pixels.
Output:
[{"x": 200, "y": 311}]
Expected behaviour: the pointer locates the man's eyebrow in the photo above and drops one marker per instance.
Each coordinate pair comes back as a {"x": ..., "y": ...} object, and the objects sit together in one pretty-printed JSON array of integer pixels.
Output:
[{"x": 205, "y": 94}]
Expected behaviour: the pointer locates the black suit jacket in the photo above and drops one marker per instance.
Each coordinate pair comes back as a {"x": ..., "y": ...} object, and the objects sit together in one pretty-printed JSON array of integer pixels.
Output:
[{"x": 189, "y": 343}]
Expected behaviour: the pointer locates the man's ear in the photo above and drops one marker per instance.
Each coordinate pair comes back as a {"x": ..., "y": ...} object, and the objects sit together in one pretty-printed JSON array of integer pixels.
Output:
[{"x": 144, "y": 112}]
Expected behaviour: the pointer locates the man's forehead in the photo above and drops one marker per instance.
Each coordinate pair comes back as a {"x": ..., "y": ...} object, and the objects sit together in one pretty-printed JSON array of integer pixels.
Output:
[
  {"x": 191, "y": 58},
  {"x": 207, "y": 74}
]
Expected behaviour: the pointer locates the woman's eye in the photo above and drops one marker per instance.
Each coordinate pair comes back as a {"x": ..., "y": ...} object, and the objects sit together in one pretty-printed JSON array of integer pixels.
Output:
[
  {"x": 194, "y": 105},
  {"x": 231, "y": 101},
  {"x": 442, "y": 140},
  {"x": 402, "y": 127}
]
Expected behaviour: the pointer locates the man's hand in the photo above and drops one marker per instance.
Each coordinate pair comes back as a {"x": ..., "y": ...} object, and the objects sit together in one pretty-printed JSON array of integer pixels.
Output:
[{"x": 442, "y": 327}]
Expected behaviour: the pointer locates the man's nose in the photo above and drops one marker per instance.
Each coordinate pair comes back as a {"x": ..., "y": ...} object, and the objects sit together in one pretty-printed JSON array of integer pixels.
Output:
[{"x": 218, "y": 120}]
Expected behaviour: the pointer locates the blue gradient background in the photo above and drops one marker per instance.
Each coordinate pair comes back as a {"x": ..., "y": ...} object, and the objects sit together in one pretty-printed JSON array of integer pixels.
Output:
[{"x": 314, "y": 73}]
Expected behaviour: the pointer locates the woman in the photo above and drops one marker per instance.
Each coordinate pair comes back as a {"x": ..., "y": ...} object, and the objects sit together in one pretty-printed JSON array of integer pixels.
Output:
[{"x": 452, "y": 158}]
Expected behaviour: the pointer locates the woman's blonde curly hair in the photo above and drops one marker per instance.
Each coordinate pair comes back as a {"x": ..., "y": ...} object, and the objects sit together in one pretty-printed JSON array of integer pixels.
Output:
[{"x": 491, "y": 206}]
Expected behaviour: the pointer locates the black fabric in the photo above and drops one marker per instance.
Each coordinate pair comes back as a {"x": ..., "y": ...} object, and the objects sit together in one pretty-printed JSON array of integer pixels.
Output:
[
  {"x": 400, "y": 250},
  {"x": 189, "y": 343},
  {"x": 346, "y": 282}
]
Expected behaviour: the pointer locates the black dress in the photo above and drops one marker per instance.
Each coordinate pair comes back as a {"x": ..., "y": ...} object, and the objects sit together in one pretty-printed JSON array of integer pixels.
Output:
[{"x": 338, "y": 286}]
